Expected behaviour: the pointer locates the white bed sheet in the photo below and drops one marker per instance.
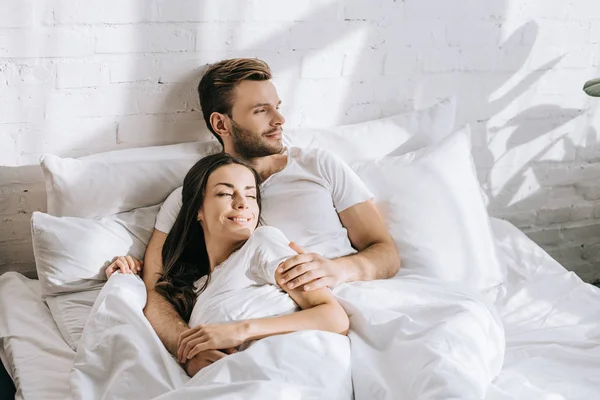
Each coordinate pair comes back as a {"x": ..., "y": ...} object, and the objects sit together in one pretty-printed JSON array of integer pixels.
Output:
[
  {"x": 551, "y": 318},
  {"x": 552, "y": 324},
  {"x": 31, "y": 347}
]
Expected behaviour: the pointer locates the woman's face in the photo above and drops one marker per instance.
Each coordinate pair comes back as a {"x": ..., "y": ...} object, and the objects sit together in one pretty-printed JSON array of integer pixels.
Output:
[{"x": 230, "y": 208}]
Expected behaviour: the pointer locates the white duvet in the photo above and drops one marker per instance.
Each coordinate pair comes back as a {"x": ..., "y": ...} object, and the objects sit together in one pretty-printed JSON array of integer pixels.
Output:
[
  {"x": 410, "y": 338},
  {"x": 550, "y": 318}
]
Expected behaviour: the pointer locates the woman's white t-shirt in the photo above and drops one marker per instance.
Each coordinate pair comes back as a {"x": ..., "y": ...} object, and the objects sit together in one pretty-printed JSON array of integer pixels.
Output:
[
  {"x": 303, "y": 201},
  {"x": 243, "y": 286}
]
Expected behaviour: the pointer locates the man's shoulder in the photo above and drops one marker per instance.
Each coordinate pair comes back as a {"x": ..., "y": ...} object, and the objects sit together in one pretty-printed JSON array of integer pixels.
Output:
[
  {"x": 175, "y": 198},
  {"x": 305, "y": 155},
  {"x": 177, "y": 191}
]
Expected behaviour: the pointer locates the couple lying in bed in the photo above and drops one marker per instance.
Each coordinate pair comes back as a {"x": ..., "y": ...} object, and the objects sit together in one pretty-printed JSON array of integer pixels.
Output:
[{"x": 208, "y": 256}]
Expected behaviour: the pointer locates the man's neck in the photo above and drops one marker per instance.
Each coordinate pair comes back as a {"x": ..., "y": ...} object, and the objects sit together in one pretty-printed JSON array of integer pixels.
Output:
[{"x": 268, "y": 165}]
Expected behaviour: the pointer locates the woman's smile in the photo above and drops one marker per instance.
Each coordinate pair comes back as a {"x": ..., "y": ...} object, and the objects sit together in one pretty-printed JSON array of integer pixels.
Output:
[{"x": 240, "y": 220}]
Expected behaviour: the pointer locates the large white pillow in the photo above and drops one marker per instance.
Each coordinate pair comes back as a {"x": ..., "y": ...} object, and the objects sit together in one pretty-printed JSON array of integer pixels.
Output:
[
  {"x": 72, "y": 253},
  {"x": 117, "y": 181},
  {"x": 372, "y": 139},
  {"x": 108, "y": 183},
  {"x": 431, "y": 202}
]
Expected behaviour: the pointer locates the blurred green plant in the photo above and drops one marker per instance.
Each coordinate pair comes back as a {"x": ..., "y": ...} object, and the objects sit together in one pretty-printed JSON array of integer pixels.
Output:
[{"x": 592, "y": 87}]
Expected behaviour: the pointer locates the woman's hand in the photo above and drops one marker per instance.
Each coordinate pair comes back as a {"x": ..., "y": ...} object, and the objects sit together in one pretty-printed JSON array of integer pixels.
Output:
[
  {"x": 210, "y": 337},
  {"x": 127, "y": 265}
]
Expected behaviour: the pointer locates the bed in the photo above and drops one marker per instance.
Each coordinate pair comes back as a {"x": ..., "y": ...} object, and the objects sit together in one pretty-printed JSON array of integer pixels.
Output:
[
  {"x": 550, "y": 318},
  {"x": 33, "y": 351},
  {"x": 506, "y": 321}
]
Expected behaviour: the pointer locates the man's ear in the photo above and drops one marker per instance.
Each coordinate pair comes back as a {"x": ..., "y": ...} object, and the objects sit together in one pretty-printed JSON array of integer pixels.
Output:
[{"x": 220, "y": 124}]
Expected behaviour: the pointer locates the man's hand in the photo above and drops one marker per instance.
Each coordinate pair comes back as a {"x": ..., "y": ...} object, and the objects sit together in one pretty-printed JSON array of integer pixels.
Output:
[
  {"x": 209, "y": 337},
  {"x": 310, "y": 270},
  {"x": 201, "y": 360}
]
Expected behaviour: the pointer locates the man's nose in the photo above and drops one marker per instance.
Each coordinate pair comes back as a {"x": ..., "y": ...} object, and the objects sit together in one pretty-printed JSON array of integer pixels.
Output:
[{"x": 279, "y": 119}]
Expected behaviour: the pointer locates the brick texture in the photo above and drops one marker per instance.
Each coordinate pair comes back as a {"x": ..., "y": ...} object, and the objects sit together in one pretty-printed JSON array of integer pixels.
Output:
[{"x": 79, "y": 77}]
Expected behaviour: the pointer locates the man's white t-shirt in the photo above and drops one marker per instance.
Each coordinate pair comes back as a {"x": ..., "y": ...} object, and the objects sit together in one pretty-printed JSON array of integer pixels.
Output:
[{"x": 302, "y": 200}]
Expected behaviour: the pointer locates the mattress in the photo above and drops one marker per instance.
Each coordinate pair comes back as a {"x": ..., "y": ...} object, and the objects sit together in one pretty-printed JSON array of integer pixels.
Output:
[
  {"x": 31, "y": 347},
  {"x": 551, "y": 319}
]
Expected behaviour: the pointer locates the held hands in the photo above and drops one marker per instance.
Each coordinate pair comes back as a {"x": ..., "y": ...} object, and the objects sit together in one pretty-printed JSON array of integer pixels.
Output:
[
  {"x": 210, "y": 337},
  {"x": 125, "y": 264},
  {"x": 201, "y": 360},
  {"x": 312, "y": 271}
]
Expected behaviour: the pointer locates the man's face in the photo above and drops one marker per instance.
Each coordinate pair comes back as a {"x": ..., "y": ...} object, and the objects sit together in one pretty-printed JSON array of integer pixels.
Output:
[{"x": 256, "y": 123}]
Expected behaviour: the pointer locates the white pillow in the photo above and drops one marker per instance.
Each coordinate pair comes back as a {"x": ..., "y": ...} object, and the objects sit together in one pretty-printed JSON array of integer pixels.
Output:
[
  {"x": 117, "y": 181},
  {"x": 70, "y": 312},
  {"x": 431, "y": 202},
  {"x": 72, "y": 253},
  {"x": 373, "y": 139},
  {"x": 108, "y": 183}
]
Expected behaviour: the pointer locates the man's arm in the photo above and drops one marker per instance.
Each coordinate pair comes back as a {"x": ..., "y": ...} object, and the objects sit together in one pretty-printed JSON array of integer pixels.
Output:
[
  {"x": 377, "y": 257},
  {"x": 161, "y": 314}
]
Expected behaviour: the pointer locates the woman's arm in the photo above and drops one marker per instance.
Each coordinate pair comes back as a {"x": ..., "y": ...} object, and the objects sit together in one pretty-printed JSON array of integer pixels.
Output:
[{"x": 320, "y": 311}]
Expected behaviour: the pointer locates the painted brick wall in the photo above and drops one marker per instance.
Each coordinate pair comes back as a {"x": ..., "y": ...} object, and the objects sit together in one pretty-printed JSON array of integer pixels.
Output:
[{"x": 80, "y": 77}]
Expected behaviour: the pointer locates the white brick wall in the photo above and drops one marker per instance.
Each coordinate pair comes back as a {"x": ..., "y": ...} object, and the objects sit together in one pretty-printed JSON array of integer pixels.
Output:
[{"x": 79, "y": 77}]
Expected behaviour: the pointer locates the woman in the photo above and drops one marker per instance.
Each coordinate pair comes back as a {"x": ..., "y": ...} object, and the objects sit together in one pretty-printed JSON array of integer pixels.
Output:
[{"x": 220, "y": 271}]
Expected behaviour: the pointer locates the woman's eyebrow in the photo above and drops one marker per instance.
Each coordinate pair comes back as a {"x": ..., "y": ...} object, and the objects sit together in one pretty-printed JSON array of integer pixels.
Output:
[{"x": 229, "y": 185}]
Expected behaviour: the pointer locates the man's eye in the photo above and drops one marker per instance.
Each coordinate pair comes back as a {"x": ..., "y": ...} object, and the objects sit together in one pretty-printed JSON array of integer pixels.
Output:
[
  {"x": 224, "y": 194},
  {"x": 259, "y": 111}
]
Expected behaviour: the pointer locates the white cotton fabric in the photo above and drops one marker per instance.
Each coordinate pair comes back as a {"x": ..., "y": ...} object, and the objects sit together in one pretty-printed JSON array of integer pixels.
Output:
[
  {"x": 118, "y": 181},
  {"x": 549, "y": 315},
  {"x": 243, "y": 286},
  {"x": 303, "y": 201},
  {"x": 431, "y": 203},
  {"x": 397, "y": 344},
  {"x": 415, "y": 336},
  {"x": 376, "y": 138},
  {"x": 31, "y": 346},
  {"x": 71, "y": 257},
  {"x": 71, "y": 254},
  {"x": 70, "y": 311}
]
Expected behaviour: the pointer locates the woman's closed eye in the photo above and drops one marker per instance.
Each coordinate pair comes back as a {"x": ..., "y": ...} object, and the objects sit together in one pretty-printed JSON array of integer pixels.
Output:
[{"x": 250, "y": 196}]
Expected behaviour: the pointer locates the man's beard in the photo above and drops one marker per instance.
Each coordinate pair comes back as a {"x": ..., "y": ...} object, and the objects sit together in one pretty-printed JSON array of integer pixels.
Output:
[{"x": 250, "y": 145}]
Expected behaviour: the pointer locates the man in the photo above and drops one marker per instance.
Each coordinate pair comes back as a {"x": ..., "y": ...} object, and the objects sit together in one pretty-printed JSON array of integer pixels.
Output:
[{"x": 315, "y": 199}]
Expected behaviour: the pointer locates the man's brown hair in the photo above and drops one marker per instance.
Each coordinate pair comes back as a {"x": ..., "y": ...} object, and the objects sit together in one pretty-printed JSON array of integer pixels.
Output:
[{"x": 215, "y": 89}]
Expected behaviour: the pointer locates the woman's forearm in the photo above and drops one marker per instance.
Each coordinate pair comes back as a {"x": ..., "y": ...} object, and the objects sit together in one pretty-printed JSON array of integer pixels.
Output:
[{"x": 329, "y": 317}]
